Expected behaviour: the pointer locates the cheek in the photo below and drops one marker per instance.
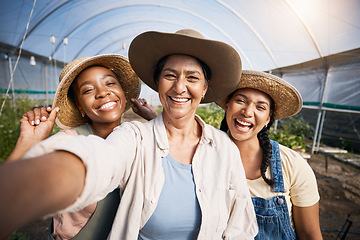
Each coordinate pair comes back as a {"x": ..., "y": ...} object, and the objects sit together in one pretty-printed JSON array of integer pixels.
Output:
[
  {"x": 162, "y": 90},
  {"x": 164, "y": 85},
  {"x": 83, "y": 99},
  {"x": 84, "y": 105},
  {"x": 230, "y": 109},
  {"x": 121, "y": 95},
  {"x": 197, "y": 90}
]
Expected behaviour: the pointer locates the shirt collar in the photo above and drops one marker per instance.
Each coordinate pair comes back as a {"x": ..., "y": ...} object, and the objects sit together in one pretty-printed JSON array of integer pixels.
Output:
[{"x": 161, "y": 136}]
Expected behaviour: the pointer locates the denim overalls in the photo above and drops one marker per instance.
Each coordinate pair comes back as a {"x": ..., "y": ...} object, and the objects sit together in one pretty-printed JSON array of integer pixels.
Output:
[{"x": 272, "y": 214}]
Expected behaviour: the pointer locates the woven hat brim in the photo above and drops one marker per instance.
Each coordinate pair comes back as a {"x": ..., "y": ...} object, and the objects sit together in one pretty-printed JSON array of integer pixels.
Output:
[
  {"x": 69, "y": 115},
  {"x": 224, "y": 62},
  {"x": 287, "y": 98}
]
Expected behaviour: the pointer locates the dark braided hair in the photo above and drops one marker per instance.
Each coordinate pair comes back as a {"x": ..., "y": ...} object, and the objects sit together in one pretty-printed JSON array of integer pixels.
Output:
[
  {"x": 263, "y": 138},
  {"x": 266, "y": 146}
]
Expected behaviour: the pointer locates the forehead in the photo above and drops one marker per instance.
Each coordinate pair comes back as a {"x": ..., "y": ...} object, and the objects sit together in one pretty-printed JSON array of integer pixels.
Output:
[
  {"x": 182, "y": 60},
  {"x": 95, "y": 69},
  {"x": 92, "y": 72},
  {"x": 253, "y": 94}
]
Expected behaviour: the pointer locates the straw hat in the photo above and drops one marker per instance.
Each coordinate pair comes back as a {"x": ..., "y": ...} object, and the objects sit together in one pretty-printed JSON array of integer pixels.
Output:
[
  {"x": 224, "y": 62},
  {"x": 69, "y": 115},
  {"x": 286, "y": 97}
]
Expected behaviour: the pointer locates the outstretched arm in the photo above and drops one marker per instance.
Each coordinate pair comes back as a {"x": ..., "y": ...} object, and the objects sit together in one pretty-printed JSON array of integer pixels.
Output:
[
  {"x": 36, "y": 187},
  {"x": 35, "y": 125},
  {"x": 143, "y": 109},
  {"x": 306, "y": 221}
]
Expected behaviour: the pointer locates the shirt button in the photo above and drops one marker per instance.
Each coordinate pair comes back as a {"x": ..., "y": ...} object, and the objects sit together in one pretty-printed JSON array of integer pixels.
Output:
[
  {"x": 153, "y": 201},
  {"x": 199, "y": 189},
  {"x": 280, "y": 201}
]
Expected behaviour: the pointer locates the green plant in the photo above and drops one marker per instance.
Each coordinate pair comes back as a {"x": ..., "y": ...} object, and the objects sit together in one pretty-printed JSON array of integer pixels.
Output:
[
  {"x": 288, "y": 140},
  {"x": 297, "y": 126},
  {"x": 346, "y": 144},
  {"x": 18, "y": 236},
  {"x": 292, "y": 132},
  {"x": 212, "y": 114}
]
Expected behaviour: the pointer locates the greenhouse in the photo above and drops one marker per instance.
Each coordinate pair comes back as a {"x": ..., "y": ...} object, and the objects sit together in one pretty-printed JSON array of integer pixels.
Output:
[{"x": 312, "y": 44}]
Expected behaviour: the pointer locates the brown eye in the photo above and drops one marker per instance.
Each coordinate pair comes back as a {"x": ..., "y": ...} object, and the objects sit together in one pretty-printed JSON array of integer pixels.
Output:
[
  {"x": 240, "y": 100},
  {"x": 86, "y": 91},
  {"x": 170, "y": 76},
  {"x": 193, "y": 79},
  {"x": 110, "y": 83}
]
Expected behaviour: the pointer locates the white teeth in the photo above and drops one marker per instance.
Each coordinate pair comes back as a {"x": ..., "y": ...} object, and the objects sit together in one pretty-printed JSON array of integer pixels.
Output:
[
  {"x": 243, "y": 123},
  {"x": 179, "y": 99},
  {"x": 107, "y": 105}
]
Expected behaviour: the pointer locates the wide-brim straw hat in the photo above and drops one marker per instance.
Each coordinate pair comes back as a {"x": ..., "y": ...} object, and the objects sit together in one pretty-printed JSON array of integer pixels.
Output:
[
  {"x": 223, "y": 60},
  {"x": 69, "y": 115},
  {"x": 286, "y": 97}
]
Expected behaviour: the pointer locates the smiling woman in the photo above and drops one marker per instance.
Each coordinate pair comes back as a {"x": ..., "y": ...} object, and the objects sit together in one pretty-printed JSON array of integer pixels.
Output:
[
  {"x": 282, "y": 184},
  {"x": 100, "y": 98},
  {"x": 91, "y": 100},
  {"x": 182, "y": 86}
]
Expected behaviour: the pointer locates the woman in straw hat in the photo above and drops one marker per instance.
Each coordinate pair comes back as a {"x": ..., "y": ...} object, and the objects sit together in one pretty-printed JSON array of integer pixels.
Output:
[
  {"x": 179, "y": 177},
  {"x": 93, "y": 94},
  {"x": 282, "y": 184}
]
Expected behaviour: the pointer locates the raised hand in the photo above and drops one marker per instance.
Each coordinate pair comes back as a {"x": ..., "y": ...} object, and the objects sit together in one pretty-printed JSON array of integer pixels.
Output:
[
  {"x": 35, "y": 126},
  {"x": 143, "y": 109}
]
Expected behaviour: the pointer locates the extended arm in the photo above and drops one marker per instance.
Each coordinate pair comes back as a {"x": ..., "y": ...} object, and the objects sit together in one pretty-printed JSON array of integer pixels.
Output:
[
  {"x": 307, "y": 222},
  {"x": 35, "y": 187}
]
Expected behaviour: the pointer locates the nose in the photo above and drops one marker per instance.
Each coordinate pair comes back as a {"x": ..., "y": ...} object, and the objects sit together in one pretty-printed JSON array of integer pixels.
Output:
[
  {"x": 179, "y": 85},
  {"x": 102, "y": 92},
  {"x": 248, "y": 110}
]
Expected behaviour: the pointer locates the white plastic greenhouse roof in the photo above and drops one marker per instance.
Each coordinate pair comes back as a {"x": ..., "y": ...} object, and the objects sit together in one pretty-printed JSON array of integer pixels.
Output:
[
  {"x": 268, "y": 34},
  {"x": 312, "y": 44}
]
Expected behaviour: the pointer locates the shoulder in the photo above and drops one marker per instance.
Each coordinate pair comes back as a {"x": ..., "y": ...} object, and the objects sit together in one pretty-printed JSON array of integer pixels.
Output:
[
  {"x": 300, "y": 176},
  {"x": 134, "y": 129},
  {"x": 291, "y": 158},
  {"x": 71, "y": 132},
  {"x": 79, "y": 130},
  {"x": 214, "y": 135},
  {"x": 136, "y": 126}
]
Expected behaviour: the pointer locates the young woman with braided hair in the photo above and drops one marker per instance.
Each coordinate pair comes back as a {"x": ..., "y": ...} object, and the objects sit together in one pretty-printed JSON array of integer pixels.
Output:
[
  {"x": 264, "y": 142},
  {"x": 282, "y": 184}
]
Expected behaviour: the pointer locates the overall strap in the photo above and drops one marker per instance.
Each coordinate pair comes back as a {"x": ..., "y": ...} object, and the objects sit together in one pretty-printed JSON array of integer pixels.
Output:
[{"x": 276, "y": 171}]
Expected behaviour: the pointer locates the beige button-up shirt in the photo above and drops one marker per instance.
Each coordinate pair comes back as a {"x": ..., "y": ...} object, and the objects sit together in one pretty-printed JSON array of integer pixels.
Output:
[{"x": 130, "y": 158}]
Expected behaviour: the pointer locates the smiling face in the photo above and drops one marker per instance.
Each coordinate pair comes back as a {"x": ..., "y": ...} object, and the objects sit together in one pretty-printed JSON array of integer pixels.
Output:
[
  {"x": 100, "y": 95},
  {"x": 247, "y": 112},
  {"x": 181, "y": 86}
]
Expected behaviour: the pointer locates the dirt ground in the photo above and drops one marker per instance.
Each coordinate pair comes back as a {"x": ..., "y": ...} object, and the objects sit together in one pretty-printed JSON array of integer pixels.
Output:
[{"x": 339, "y": 188}]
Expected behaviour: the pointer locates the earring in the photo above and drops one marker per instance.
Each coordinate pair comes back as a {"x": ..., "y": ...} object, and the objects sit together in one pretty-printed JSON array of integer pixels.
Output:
[{"x": 82, "y": 115}]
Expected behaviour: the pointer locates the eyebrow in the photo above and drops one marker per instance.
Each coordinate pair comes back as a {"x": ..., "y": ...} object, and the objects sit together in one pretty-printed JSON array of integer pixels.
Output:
[
  {"x": 188, "y": 71},
  {"x": 259, "y": 102},
  {"x": 102, "y": 77}
]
